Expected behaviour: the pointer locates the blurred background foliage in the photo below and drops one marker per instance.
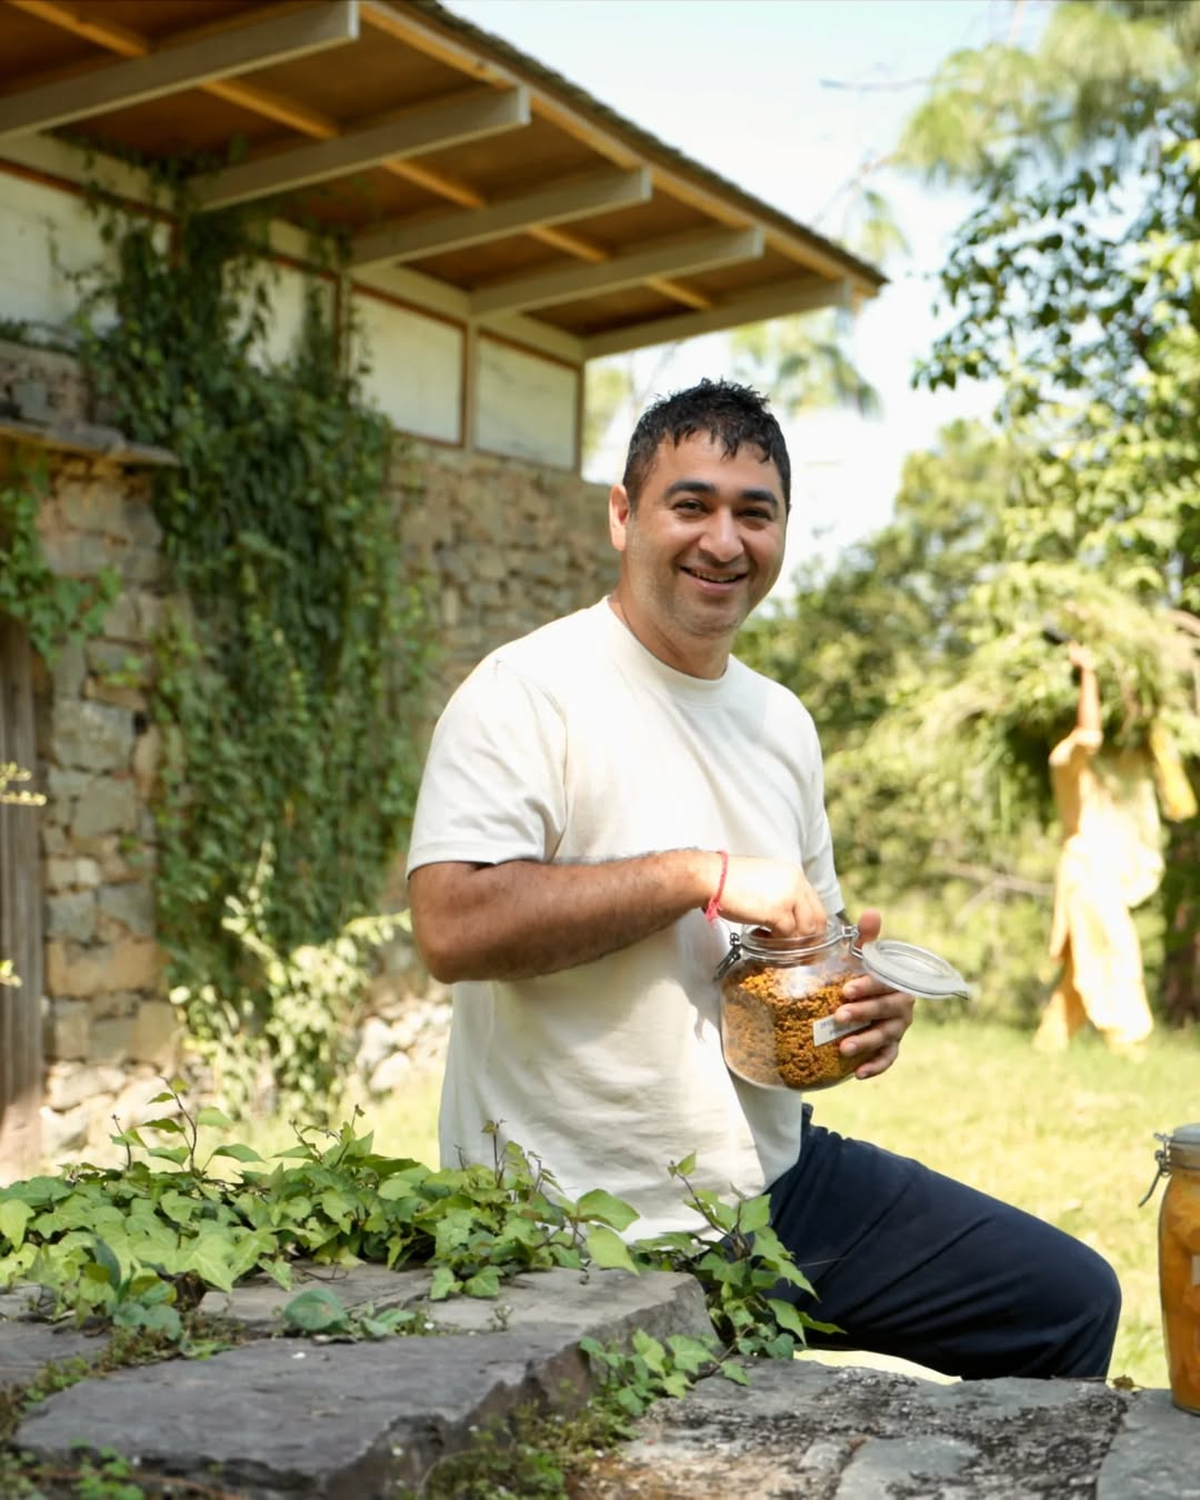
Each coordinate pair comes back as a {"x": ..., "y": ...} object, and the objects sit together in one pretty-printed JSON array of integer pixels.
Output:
[{"x": 1073, "y": 286}]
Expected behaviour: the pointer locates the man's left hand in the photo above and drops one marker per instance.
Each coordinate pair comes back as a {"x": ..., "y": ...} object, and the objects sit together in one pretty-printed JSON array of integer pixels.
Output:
[{"x": 866, "y": 999}]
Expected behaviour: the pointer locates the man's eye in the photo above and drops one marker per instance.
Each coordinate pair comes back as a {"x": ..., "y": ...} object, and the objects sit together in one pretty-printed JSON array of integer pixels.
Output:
[
  {"x": 688, "y": 505},
  {"x": 759, "y": 513}
]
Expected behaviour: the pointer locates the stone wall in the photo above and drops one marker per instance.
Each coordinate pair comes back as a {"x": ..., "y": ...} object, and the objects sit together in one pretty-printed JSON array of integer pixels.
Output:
[
  {"x": 507, "y": 546},
  {"x": 109, "y": 1029},
  {"x": 499, "y": 547}
]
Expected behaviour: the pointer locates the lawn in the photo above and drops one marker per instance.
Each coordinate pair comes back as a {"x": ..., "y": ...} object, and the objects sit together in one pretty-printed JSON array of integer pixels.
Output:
[{"x": 1070, "y": 1138}]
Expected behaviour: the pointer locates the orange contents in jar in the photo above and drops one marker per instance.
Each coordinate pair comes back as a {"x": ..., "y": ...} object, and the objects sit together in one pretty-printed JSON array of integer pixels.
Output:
[{"x": 1179, "y": 1278}]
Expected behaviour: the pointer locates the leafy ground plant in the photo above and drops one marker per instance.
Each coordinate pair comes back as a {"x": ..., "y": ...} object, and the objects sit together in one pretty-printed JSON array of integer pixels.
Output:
[{"x": 135, "y": 1249}]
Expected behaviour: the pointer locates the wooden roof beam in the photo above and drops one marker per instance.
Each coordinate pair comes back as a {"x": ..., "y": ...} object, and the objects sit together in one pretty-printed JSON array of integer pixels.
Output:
[
  {"x": 676, "y": 257},
  {"x": 597, "y": 193},
  {"x": 784, "y": 299},
  {"x": 312, "y": 122},
  {"x": 432, "y": 127},
  {"x": 187, "y": 65}
]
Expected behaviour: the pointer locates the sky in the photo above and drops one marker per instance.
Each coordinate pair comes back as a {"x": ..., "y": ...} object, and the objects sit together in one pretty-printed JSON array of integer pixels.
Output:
[{"x": 789, "y": 99}]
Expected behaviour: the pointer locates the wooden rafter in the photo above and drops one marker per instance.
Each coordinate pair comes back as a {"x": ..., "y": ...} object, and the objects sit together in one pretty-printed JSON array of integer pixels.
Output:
[
  {"x": 430, "y": 127},
  {"x": 173, "y": 69},
  {"x": 595, "y": 193},
  {"x": 412, "y": 30},
  {"x": 799, "y": 295},
  {"x": 319, "y": 126},
  {"x": 701, "y": 251}
]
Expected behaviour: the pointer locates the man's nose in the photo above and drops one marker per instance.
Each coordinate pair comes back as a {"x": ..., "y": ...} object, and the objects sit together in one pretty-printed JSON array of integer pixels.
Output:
[{"x": 721, "y": 541}]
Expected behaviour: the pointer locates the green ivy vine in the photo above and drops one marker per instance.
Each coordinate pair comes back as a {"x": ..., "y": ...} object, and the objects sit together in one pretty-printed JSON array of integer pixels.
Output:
[
  {"x": 288, "y": 690},
  {"x": 54, "y": 610}
]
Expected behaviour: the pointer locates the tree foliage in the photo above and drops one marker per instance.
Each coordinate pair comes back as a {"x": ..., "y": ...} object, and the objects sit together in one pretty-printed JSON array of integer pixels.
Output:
[{"x": 1073, "y": 285}]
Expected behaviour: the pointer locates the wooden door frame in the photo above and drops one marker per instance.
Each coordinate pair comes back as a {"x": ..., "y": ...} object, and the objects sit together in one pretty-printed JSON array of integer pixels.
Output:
[{"x": 21, "y": 931}]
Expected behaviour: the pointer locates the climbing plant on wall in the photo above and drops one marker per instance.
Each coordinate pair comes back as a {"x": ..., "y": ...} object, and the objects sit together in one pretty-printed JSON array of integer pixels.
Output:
[{"x": 287, "y": 689}]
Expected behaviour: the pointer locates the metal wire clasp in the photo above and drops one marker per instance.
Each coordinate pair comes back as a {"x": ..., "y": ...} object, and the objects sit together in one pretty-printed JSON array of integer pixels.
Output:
[
  {"x": 735, "y": 952},
  {"x": 1160, "y": 1156}
]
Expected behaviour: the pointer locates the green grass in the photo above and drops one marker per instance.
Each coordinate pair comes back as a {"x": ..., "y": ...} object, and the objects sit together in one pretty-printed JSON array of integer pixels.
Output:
[{"x": 1070, "y": 1138}]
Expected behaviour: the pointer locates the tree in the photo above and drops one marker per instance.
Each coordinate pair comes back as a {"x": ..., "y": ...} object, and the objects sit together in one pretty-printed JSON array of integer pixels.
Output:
[{"x": 1076, "y": 286}]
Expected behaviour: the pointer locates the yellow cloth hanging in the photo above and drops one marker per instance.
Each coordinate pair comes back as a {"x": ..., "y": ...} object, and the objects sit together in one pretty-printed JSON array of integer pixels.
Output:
[
  {"x": 1175, "y": 792},
  {"x": 1111, "y": 861}
]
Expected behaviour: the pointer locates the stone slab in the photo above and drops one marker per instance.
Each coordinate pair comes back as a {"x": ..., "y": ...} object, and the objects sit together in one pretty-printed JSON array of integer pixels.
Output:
[
  {"x": 603, "y": 1304},
  {"x": 1155, "y": 1454},
  {"x": 26, "y": 1348},
  {"x": 855, "y": 1434},
  {"x": 288, "y": 1416},
  {"x": 882, "y": 1466},
  {"x": 284, "y": 1417}
]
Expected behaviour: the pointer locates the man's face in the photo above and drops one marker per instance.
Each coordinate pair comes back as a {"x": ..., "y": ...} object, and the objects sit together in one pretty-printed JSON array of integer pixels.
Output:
[{"x": 703, "y": 547}]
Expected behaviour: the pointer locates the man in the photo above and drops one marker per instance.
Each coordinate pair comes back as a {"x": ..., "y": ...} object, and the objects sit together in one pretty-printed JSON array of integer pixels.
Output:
[
  {"x": 1111, "y": 861},
  {"x": 594, "y": 794}
]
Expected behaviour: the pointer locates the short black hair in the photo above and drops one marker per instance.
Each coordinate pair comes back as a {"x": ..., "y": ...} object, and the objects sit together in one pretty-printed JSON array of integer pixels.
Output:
[{"x": 731, "y": 414}]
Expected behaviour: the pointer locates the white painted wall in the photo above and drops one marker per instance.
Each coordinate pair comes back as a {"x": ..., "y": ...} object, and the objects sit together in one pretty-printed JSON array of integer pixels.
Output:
[
  {"x": 527, "y": 407},
  {"x": 44, "y": 236},
  {"x": 415, "y": 368}
]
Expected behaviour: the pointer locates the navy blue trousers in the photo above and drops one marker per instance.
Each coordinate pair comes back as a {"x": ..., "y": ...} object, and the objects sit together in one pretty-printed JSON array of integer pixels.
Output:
[{"x": 910, "y": 1263}]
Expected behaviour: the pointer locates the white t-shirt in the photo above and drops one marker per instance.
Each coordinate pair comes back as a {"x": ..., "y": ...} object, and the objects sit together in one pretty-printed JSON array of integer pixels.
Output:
[{"x": 576, "y": 744}]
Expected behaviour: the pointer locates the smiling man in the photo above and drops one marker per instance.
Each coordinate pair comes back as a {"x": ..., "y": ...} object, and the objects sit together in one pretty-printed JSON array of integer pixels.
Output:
[{"x": 600, "y": 798}]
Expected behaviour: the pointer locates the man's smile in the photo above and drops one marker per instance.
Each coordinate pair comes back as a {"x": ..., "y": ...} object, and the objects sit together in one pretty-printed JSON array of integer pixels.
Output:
[{"x": 705, "y": 576}]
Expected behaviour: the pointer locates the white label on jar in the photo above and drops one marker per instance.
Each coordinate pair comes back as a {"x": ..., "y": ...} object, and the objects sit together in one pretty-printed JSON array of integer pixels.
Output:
[
  {"x": 1196, "y": 1270},
  {"x": 828, "y": 1030}
]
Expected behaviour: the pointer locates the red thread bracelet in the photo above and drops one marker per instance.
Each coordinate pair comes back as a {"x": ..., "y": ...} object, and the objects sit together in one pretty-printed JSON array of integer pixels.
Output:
[{"x": 713, "y": 910}]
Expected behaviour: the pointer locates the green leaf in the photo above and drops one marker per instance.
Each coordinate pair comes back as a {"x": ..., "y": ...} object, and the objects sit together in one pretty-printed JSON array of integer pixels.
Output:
[
  {"x": 14, "y": 1215},
  {"x": 483, "y": 1284},
  {"x": 209, "y": 1260},
  {"x": 650, "y": 1350},
  {"x": 601, "y": 1205},
  {"x": 444, "y": 1284},
  {"x": 107, "y": 1261},
  {"x": 608, "y": 1250},
  {"x": 691, "y": 1355},
  {"x": 317, "y": 1310},
  {"x": 755, "y": 1215},
  {"x": 211, "y": 1116},
  {"x": 176, "y": 1154},
  {"x": 735, "y": 1373},
  {"x": 787, "y": 1317},
  {"x": 238, "y": 1153}
]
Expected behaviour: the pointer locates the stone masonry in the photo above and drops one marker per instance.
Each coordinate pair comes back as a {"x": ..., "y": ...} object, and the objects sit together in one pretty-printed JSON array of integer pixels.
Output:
[{"x": 498, "y": 547}]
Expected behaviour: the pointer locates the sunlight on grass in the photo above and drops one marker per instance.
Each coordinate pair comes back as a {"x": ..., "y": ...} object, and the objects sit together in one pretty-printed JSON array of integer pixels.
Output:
[
  {"x": 405, "y": 1125},
  {"x": 1069, "y": 1138}
]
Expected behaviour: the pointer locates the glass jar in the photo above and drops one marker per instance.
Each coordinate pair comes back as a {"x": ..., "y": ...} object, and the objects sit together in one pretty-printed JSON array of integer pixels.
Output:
[
  {"x": 1179, "y": 1262},
  {"x": 778, "y": 997}
]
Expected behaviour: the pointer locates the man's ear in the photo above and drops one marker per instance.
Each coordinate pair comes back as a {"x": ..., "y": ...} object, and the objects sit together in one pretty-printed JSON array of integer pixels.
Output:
[{"x": 620, "y": 508}]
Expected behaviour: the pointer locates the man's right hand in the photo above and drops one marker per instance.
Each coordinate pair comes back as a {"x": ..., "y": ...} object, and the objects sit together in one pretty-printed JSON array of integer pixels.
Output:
[{"x": 771, "y": 893}]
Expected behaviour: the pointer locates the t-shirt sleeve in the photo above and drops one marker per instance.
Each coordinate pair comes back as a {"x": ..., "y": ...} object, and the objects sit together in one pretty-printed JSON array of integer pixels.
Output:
[{"x": 493, "y": 784}]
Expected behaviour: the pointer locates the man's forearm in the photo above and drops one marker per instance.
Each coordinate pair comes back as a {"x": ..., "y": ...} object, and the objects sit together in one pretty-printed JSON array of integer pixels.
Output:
[{"x": 521, "y": 919}]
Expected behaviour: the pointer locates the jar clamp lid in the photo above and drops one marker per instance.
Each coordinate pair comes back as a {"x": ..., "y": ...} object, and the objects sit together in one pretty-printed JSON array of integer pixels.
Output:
[
  {"x": 1179, "y": 1149},
  {"x": 913, "y": 970},
  {"x": 901, "y": 966}
]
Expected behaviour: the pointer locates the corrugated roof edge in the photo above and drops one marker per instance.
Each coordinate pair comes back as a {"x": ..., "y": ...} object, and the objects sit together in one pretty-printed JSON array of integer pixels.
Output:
[{"x": 537, "y": 74}]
